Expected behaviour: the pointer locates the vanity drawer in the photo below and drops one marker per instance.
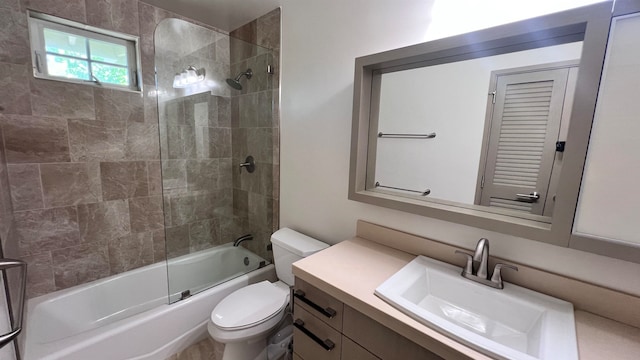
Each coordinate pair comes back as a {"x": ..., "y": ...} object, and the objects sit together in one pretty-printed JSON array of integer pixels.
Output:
[
  {"x": 380, "y": 340},
  {"x": 318, "y": 303},
  {"x": 313, "y": 339},
  {"x": 353, "y": 351}
]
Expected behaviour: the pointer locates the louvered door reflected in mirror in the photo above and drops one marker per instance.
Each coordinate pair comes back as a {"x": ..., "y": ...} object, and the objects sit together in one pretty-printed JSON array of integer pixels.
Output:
[{"x": 527, "y": 119}]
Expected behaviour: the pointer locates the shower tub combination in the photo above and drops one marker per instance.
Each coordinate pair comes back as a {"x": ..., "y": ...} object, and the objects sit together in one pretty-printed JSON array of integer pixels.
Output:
[
  {"x": 158, "y": 310},
  {"x": 129, "y": 315}
]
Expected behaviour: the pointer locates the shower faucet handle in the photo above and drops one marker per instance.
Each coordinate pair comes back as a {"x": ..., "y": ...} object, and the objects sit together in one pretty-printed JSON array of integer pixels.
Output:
[{"x": 248, "y": 164}]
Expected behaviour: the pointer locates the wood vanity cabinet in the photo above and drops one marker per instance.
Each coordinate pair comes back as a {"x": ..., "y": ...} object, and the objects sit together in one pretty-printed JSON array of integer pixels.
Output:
[{"x": 326, "y": 329}]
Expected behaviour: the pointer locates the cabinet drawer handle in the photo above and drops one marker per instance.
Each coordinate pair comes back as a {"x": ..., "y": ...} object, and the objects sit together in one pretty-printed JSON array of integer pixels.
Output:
[
  {"x": 328, "y": 312},
  {"x": 326, "y": 344}
]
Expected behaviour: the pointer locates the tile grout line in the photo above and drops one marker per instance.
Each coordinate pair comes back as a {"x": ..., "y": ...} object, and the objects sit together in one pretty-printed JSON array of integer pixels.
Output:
[{"x": 41, "y": 186}]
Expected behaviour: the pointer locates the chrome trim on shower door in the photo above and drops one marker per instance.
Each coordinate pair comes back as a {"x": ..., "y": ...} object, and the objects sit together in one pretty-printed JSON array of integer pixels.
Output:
[{"x": 17, "y": 327}]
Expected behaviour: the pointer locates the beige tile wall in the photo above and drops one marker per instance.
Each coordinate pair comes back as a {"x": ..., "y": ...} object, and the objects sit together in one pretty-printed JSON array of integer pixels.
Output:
[
  {"x": 83, "y": 163},
  {"x": 255, "y": 126}
]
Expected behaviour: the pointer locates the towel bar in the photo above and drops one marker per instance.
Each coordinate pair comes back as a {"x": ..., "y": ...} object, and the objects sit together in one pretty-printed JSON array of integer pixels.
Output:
[
  {"x": 423, "y": 193},
  {"x": 407, "y": 136}
]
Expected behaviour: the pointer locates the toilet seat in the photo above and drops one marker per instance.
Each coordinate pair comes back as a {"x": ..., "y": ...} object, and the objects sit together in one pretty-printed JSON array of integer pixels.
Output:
[{"x": 250, "y": 306}]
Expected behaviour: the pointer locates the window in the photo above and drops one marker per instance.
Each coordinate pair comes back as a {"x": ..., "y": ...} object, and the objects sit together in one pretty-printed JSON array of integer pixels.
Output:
[{"x": 67, "y": 51}]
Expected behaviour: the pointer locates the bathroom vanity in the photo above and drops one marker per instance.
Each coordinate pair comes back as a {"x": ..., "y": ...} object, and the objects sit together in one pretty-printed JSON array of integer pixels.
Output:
[
  {"x": 339, "y": 282},
  {"x": 326, "y": 328}
]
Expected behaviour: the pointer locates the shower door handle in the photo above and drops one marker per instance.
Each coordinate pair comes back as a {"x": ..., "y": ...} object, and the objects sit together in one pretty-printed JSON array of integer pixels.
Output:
[{"x": 17, "y": 327}]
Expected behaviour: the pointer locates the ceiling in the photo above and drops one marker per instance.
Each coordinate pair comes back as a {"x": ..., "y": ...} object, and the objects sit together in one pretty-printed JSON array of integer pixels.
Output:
[{"x": 223, "y": 14}]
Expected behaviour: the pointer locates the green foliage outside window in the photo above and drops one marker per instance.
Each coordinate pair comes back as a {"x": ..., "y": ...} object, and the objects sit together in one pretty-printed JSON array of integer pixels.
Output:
[
  {"x": 68, "y": 56},
  {"x": 110, "y": 74}
]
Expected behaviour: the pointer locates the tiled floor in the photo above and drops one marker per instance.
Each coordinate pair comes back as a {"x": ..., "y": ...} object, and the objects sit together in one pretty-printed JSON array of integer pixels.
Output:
[{"x": 206, "y": 349}]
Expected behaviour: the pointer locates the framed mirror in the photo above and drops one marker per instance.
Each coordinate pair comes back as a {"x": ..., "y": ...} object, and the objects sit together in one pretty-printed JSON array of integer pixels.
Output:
[{"x": 487, "y": 129}]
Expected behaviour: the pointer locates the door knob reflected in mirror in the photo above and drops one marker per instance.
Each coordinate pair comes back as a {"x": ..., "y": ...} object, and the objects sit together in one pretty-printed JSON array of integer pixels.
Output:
[{"x": 533, "y": 197}]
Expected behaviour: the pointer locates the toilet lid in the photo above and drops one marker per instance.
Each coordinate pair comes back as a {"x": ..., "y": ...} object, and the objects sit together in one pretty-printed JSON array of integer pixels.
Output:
[{"x": 249, "y": 305}]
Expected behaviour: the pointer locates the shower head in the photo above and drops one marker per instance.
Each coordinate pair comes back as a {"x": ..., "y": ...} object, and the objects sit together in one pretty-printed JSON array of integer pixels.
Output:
[{"x": 235, "y": 83}]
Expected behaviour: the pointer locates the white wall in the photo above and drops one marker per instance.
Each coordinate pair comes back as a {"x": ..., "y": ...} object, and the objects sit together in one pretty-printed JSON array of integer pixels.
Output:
[{"x": 320, "y": 40}]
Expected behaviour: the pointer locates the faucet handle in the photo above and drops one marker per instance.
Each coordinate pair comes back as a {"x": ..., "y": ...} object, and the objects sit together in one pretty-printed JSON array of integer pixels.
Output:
[
  {"x": 468, "y": 269},
  {"x": 497, "y": 276}
]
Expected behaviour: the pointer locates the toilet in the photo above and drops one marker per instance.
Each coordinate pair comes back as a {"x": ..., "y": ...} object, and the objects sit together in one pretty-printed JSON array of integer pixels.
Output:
[{"x": 245, "y": 318}]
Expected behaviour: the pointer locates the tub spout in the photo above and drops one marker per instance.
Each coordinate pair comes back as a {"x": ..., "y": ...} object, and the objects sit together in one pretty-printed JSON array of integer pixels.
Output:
[{"x": 242, "y": 238}]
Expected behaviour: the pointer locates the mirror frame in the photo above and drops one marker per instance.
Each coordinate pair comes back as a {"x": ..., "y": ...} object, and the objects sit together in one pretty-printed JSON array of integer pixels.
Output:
[
  {"x": 618, "y": 249},
  {"x": 589, "y": 24}
]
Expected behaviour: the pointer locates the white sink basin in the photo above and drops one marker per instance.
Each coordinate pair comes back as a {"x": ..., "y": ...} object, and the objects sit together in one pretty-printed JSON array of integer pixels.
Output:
[{"x": 512, "y": 323}]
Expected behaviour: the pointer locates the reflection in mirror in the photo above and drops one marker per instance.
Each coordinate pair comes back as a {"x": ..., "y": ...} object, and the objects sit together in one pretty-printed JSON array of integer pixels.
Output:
[
  {"x": 497, "y": 162},
  {"x": 496, "y": 121}
]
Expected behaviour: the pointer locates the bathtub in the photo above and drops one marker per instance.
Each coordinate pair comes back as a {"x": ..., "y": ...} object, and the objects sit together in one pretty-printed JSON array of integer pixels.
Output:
[{"x": 127, "y": 316}]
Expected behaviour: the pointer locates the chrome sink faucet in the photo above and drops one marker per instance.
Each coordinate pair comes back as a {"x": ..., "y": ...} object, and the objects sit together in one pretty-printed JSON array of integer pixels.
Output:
[
  {"x": 481, "y": 259},
  {"x": 477, "y": 267}
]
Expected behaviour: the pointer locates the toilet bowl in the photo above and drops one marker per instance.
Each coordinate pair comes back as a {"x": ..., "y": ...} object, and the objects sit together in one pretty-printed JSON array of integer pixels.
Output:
[
  {"x": 245, "y": 318},
  {"x": 249, "y": 312}
]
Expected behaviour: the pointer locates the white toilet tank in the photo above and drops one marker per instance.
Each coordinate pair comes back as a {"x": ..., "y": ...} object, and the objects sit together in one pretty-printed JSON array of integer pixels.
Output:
[{"x": 290, "y": 246}]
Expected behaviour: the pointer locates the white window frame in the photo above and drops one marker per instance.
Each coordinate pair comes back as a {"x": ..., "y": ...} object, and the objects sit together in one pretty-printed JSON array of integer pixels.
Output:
[{"x": 38, "y": 22}]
